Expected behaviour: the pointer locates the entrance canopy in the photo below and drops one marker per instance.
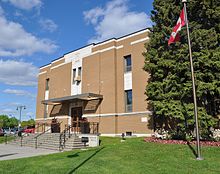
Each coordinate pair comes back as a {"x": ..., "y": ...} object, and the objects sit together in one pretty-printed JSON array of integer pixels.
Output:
[{"x": 85, "y": 97}]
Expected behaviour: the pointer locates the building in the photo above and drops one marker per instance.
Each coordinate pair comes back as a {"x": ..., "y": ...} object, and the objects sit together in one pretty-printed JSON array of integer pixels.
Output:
[{"x": 101, "y": 83}]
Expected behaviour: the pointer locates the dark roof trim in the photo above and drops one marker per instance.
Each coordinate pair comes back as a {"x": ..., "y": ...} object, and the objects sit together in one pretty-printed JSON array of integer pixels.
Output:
[
  {"x": 44, "y": 65},
  {"x": 121, "y": 36},
  {"x": 57, "y": 59},
  {"x": 67, "y": 53},
  {"x": 97, "y": 44},
  {"x": 78, "y": 49},
  {"x": 84, "y": 96}
]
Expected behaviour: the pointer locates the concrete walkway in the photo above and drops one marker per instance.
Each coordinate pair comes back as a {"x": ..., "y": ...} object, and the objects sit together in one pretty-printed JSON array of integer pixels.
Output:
[{"x": 8, "y": 152}]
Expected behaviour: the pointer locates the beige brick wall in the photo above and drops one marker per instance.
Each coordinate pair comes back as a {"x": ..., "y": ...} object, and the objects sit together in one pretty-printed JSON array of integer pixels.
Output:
[{"x": 103, "y": 73}]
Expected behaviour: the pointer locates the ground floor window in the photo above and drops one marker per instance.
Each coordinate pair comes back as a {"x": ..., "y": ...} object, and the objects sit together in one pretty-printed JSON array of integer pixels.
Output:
[{"x": 128, "y": 101}]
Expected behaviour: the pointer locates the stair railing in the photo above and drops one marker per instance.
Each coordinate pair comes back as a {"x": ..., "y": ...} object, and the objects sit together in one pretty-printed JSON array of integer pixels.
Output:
[
  {"x": 43, "y": 125},
  {"x": 85, "y": 127},
  {"x": 24, "y": 134},
  {"x": 7, "y": 136},
  {"x": 78, "y": 127},
  {"x": 63, "y": 137},
  {"x": 36, "y": 137}
]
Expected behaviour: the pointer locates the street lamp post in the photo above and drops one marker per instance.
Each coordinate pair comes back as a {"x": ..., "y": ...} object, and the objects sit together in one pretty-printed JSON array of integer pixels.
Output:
[{"x": 20, "y": 109}]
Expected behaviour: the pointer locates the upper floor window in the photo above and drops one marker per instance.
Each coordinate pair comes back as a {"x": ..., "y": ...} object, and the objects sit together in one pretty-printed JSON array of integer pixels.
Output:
[
  {"x": 47, "y": 84},
  {"x": 79, "y": 71},
  {"x": 128, "y": 101},
  {"x": 127, "y": 63},
  {"x": 74, "y": 75}
]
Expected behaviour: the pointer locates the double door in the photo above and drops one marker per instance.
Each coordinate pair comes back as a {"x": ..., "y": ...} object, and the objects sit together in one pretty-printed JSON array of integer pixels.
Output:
[{"x": 76, "y": 118}]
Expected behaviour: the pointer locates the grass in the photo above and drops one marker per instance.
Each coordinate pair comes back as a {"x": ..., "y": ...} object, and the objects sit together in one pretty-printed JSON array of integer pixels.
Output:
[
  {"x": 132, "y": 156},
  {"x": 2, "y": 139}
]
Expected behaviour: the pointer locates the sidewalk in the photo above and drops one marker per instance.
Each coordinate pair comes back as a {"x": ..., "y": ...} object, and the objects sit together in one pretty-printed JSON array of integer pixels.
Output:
[{"x": 8, "y": 152}]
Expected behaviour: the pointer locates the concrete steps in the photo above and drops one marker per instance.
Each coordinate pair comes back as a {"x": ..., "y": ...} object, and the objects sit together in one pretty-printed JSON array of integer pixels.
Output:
[
  {"x": 49, "y": 141},
  {"x": 74, "y": 142},
  {"x": 26, "y": 140}
]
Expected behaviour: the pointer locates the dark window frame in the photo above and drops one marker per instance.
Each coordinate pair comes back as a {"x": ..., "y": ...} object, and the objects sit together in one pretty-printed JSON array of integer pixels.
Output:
[
  {"x": 74, "y": 75},
  {"x": 79, "y": 71},
  {"x": 127, "y": 63},
  {"x": 47, "y": 84},
  {"x": 128, "y": 100}
]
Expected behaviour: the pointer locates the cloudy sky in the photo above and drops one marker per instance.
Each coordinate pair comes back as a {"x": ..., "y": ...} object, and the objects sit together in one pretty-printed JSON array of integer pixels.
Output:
[{"x": 34, "y": 32}]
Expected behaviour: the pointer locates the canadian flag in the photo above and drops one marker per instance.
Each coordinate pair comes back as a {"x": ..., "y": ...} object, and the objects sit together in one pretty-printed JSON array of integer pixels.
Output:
[{"x": 180, "y": 23}]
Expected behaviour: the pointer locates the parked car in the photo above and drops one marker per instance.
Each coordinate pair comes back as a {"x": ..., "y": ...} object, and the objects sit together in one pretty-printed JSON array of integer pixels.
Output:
[
  {"x": 1, "y": 132},
  {"x": 30, "y": 129},
  {"x": 20, "y": 131},
  {"x": 13, "y": 131},
  {"x": 7, "y": 131}
]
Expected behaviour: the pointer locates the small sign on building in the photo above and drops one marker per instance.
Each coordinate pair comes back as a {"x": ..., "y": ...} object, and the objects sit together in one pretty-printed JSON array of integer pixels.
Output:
[{"x": 144, "y": 119}]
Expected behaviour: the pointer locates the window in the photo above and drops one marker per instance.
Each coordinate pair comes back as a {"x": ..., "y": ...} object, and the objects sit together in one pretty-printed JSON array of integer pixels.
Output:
[
  {"x": 79, "y": 71},
  {"x": 74, "y": 75},
  {"x": 47, "y": 84},
  {"x": 127, "y": 63},
  {"x": 128, "y": 101}
]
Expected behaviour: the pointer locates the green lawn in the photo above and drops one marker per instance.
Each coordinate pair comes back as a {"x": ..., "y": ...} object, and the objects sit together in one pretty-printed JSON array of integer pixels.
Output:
[
  {"x": 2, "y": 139},
  {"x": 130, "y": 157}
]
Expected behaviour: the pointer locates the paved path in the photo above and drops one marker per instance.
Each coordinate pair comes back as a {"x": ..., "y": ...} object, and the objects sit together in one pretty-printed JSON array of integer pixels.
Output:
[{"x": 8, "y": 152}]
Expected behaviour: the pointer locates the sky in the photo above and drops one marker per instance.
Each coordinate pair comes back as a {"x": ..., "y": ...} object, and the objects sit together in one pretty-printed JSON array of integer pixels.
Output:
[{"x": 35, "y": 32}]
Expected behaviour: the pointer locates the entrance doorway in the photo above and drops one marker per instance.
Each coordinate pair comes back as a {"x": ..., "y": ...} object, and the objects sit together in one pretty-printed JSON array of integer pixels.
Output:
[{"x": 76, "y": 118}]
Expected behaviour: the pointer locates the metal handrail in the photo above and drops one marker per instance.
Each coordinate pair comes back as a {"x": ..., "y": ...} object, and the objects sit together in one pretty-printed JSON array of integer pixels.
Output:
[
  {"x": 93, "y": 126},
  {"x": 36, "y": 137},
  {"x": 40, "y": 125},
  {"x": 60, "y": 142},
  {"x": 63, "y": 134},
  {"x": 22, "y": 136},
  {"x": 42, "y": 133},
  {"x": 6, "y": 137}
]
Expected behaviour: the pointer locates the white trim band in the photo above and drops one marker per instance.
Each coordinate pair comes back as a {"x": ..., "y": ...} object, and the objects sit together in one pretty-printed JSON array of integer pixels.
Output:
[
  {"x": 135, "y": 34},
  {"x": 45, "y": 66},
  {"x": 99, "y": 51},
  {"x": 122, "y": 38},
  {"x": 105, "y": 42},
  {"x": 140, "y": 40},
  {"x": 50, "y": 118},
  {"x": 119, "y": 114},
  {"x": 58, "y": 60},
  {"x": 107, "y": 49},
  {"x": 42, "y": 72},
  {"x": 57, "y": 66}
]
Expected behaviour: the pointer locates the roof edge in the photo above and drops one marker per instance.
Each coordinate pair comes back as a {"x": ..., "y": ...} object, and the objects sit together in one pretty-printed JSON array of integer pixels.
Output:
[{"x": 96, "y": 44}]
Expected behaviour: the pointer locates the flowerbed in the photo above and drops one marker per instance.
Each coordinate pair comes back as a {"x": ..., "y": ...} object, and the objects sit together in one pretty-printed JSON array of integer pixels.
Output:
[{"x": 203, "y": 143}]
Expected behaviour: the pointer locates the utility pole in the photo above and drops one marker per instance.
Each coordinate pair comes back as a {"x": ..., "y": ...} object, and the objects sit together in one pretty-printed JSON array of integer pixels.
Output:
[{"x": 20, "y": 109}]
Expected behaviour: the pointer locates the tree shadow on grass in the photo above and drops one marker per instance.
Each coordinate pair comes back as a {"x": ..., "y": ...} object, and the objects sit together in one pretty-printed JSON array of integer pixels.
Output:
[
  {"x": 9, "y": 154},
  {"x": 73, "y": 155},
  {"x": 192, "y": 149},
  {"x": 83, "y": 162}
]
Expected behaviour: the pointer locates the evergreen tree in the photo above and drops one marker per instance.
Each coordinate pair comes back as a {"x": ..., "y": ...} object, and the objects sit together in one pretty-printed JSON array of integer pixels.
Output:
[{"x": 170, "y": 87}]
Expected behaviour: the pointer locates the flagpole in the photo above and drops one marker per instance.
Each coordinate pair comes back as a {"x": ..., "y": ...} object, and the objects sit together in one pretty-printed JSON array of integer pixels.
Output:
[{"x": 193, "y": 85}]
